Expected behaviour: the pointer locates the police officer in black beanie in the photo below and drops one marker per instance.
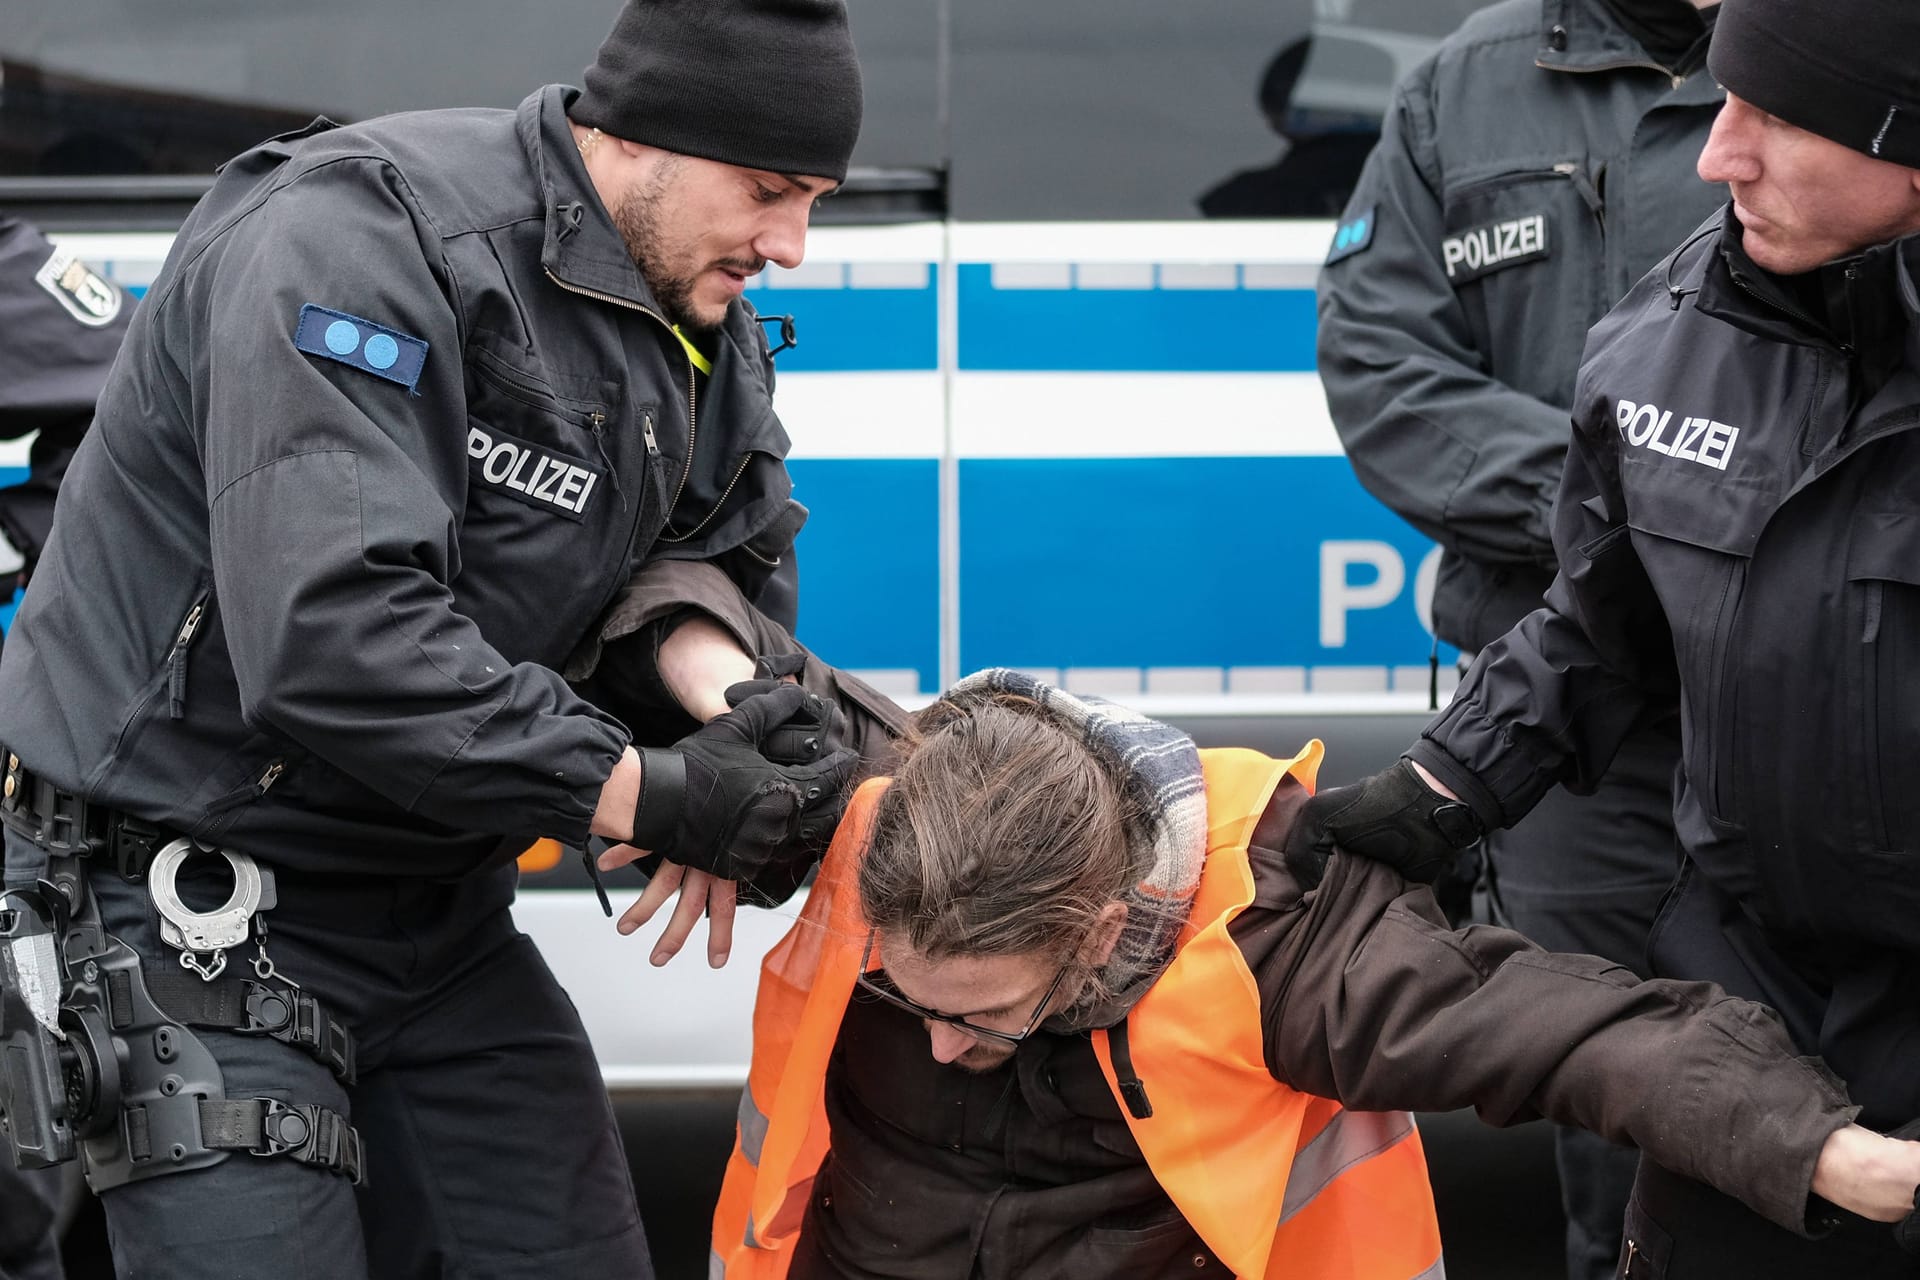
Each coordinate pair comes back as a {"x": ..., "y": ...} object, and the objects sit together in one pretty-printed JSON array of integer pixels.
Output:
[
  {"x": 1449, "y": 351},
  {"x": 411, "y": 403},
  {"x": 1737, "y": 532}
]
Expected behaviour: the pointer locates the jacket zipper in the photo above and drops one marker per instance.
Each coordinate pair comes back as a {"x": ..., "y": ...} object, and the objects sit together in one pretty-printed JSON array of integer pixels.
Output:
[
  {"x": 597, "y": 423},
  {"x": 1624, "y": 64},
  {"x": 247, "y": 793},
  {"x": 1728, "y": 736},
  {"x": 646, "y": 431},
  {"x": 724, "y": 495},
  {"x": 1587, "y": 192},
  {"x": 1871, "y": 771},
  {"x": 692, "y": 409},
  {"x": 177, "y": 658}
]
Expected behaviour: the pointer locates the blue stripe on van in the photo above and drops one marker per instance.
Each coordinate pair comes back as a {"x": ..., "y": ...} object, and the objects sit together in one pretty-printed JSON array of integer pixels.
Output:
[
  {"x": 870, "y": 562},
  {"x": 1153, "y": 330},
  {"x": 842, "y": 330},
  {"x": 1143, "y": 562}
]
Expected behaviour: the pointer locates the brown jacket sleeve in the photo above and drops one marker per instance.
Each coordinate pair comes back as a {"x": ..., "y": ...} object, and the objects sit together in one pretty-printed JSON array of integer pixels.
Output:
[
  {"x": 618, "y": 671},
  {"x": 1369, "y": 998}
]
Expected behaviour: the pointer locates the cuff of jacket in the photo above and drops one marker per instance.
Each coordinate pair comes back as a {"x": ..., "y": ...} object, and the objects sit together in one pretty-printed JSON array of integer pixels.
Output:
[
  {"x": 1463, "y": 782},
  {"x": 1499, "y": 778}
]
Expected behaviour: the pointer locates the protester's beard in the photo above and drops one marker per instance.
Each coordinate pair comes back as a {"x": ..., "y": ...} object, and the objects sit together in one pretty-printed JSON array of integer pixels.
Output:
[
  {"x": 984, "y": 1057},
  {"x": 670, "y": 267}
]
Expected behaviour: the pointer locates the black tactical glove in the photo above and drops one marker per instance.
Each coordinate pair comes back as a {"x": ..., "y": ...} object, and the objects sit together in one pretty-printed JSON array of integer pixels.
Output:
[
  {"x": 815, "y": 730},
  {"x": 715, "y": 803},
  {"x": 1392, "y": 817}
]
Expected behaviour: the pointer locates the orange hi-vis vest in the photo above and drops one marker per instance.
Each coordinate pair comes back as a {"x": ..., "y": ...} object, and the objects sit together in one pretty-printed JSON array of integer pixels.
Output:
[{"x": 1276, "y": 1182}]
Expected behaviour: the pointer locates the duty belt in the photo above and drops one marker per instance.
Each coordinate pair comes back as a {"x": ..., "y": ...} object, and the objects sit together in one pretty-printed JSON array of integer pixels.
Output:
[
  {"x": 248, "y": 1007},
  {"x": 67, "y": 825}
]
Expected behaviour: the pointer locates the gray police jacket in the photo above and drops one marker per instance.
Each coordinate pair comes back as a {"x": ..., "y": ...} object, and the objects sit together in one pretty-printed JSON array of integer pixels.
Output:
[
  {"x": 393, "y": 426},
  {"x": 63, "y": 325},
  {"x": 1527, "y": 174},
  {"x": 1738, "y": 533}
]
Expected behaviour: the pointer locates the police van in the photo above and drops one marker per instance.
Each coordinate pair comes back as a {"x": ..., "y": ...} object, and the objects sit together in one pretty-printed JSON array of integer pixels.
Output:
[{"x": 1050, "y": 375}]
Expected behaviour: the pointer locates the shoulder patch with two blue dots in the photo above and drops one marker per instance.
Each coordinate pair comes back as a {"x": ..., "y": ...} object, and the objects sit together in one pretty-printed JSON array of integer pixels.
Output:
[
  {"x": 369, "y": 347},
  {"x": 1353, "y": 235}
]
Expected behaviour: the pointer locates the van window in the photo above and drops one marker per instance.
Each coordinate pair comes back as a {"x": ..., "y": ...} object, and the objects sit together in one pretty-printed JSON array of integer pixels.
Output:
[
  {"x": 1086, "y": 109},
  {"x": 1067, "y": 110},
  {"x": 95, "y": 93}
]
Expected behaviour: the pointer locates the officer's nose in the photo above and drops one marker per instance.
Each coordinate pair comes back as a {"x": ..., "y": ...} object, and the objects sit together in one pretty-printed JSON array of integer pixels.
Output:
[
  {"x": 948, "y": 1043},
  {"x": 783, "y": 237},
  {"x": 1729, "y": 155}
]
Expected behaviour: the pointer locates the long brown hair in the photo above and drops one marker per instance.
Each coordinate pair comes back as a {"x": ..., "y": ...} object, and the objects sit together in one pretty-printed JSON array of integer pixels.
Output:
[{"x": 1000, "y": 835}]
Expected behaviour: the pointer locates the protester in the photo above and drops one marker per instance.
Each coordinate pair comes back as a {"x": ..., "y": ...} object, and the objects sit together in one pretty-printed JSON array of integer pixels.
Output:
[{"x": 1057, "y": 1006}]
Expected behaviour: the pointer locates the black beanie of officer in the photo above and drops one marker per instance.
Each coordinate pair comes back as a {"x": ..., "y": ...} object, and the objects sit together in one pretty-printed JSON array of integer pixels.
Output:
[
  {"x": 1848, "y": 70},
  {"x": 765, "y": 84}
]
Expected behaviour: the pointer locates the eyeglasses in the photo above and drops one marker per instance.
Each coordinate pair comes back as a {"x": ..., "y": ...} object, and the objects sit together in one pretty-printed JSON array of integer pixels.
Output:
[{"x": 872, "y": 983}]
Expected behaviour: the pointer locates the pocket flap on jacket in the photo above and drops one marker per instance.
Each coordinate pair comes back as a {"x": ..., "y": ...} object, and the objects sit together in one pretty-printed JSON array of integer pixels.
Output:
[{"x": 1885, "y": 545}]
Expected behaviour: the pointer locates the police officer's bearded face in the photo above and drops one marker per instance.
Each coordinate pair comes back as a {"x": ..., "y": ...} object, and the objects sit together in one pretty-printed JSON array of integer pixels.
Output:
[
  {"x": 699, "y": 229},
  {"x": 1804, "y": 200}
]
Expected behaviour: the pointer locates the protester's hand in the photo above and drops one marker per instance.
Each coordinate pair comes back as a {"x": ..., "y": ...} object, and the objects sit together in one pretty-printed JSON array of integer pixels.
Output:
[
  {"x": 715, "y": 803},
  {"x": 1872, "y": 1175},
  {"x": 1393, "y": 817},
  {"x": 700, "y": 894}
]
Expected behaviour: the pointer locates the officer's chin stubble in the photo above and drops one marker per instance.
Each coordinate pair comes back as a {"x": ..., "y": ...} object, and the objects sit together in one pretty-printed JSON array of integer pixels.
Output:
[{"x": 641, "y": 218}]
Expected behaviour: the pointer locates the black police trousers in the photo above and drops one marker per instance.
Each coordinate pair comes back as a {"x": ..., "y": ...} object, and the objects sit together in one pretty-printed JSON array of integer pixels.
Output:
[
  {"x": 1586, "y": 874},
  {"x": 29, "y": 1212},
  {"x": 490, "y": 1145}
]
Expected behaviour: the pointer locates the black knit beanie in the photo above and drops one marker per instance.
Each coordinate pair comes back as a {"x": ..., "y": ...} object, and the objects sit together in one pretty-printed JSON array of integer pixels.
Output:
[
  {"x": 1848, "y": 70},
  {"x": 766, "y": 84}
]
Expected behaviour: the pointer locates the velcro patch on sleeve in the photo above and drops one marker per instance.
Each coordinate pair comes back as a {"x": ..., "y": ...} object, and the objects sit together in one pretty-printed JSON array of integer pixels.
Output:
[
  {"x": 1352, "y": 235},
  {"x": 366, "y": 346}
]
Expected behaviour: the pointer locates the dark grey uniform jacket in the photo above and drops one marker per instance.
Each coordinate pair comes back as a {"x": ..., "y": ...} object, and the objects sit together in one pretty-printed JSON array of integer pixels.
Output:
[
  {"x": 1527, "y": 174},
  {"x": 316, "y": 609},
  {"x": 60, "y": 327},
  {"x": 1738, "y": 535}
]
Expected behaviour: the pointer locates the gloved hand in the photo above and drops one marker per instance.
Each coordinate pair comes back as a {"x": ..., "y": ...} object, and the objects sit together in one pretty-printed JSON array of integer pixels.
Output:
[
  {"x": 1393, "y": 817},
  {"x": 817, "y": 729},
  {"x": 715, "y": 803}
]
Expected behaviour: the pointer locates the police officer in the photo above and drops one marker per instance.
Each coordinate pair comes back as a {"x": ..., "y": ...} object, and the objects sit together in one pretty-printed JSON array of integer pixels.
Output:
[
  {"x": 409, "y": 404},
  {"x": 1530, "y": 171},
  {"x": 1735, "y": 533},
  {"x": 63, "y": 323}
]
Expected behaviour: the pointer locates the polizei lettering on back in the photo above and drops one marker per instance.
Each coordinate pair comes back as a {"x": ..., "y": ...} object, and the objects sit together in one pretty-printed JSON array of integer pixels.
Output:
[
  {"x": 1471, "y": 254},
  {"x": 534, "y": 475},
  {"x": 1694, "y": 439}
]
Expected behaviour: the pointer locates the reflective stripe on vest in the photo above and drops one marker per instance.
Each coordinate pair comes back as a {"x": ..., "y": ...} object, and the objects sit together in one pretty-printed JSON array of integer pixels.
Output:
[{"x": 1352, "y": 1204}]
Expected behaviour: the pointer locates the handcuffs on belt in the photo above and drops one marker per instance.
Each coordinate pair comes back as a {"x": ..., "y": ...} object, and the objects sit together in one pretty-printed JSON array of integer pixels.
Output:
[{"x": 203, "y": 938}]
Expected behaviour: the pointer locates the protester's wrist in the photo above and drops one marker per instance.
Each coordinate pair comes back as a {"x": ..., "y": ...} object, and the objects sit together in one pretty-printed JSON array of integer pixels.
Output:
[{"x": 1868, "y": 1174}]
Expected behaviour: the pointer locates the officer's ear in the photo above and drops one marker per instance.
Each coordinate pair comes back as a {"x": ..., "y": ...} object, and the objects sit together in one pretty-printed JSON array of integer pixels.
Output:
[{"x": 1104, "y": 935}]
